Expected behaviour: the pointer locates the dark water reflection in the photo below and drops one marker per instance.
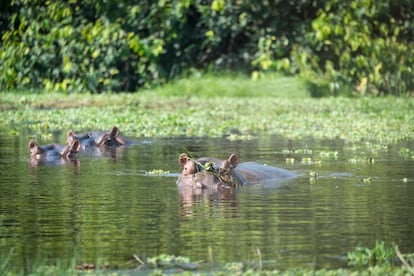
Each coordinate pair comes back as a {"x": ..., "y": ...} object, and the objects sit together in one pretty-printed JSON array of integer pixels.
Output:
[{"x": 109, "y": 207}]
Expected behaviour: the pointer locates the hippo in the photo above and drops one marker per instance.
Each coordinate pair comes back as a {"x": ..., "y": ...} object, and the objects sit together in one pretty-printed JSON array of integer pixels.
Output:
[
  {"x": 206, "y": 172},
  {"x": 53, "y": 153},
  {"x": 97, "y": 138}
]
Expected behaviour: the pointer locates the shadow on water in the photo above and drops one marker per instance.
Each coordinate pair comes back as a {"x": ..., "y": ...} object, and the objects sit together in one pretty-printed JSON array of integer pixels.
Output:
[{"x": 110, "y": 207}]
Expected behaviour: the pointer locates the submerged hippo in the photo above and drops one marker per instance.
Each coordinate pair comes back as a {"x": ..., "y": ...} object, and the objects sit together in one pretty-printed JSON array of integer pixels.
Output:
[
  {"x": 97, "y": 138},
  {"x": 53, "y": 151},
  {"x": 206, "y": 172}
]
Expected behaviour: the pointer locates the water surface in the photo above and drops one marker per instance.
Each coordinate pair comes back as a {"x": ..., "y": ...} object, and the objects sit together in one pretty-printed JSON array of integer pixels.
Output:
[{"x": 109, "y": 207}]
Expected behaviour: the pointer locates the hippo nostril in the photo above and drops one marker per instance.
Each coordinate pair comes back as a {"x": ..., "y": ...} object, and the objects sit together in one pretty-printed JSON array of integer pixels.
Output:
[{"x": 201, "y": 185}]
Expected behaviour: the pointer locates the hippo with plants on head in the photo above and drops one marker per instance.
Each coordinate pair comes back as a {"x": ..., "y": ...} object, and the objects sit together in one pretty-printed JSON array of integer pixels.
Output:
[
  {"x": 110, "y": 138},
  {"x": 206, "y": 172},
  {"x": 209, "y": 172},
  {"x": 53, "y": 153}
]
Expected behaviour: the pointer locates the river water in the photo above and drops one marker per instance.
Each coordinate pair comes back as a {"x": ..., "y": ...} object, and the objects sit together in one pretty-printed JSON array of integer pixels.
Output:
[{"x": 109, "y": 207}]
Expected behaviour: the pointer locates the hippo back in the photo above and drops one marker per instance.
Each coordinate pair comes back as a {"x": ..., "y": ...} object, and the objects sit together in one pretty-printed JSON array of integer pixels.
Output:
[{"x": 257, "y": 173}]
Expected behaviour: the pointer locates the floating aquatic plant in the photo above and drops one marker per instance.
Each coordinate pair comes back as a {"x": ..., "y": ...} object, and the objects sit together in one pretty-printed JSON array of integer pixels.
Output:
[
  {"x": 158, "y": 172},
  {"x": 290, "y": 160},
  {"x": 359, "y": 160},
  {"x": 329, "y": 154},
  {"x": 310, "y": 161},
  {"x": 297, "y": 151},
  {"x": 307, "y": 161},
  {"x": 366, "y": 179},
  {"x": 165, "y": 261},
  {"x": 406, "y": 153},
  {"x": 144, "y": 115}
]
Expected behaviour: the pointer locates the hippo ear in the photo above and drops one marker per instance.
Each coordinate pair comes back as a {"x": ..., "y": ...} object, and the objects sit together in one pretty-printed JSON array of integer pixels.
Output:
[
  {"x": 120, "y": 140},
  {"x": 183, "y": 159},
  {"x": 66, "y": 151},
  {"x": 115, "y": 132},
  {"x": 115, "y": 135},
  {"x": 233, "y": 160},
  {"x": 70, "y": 133},
  {"x": 70, "y": 136},
  {"x": 225, "y": 165},
  {"x": 76, "y": 146},
  {"x": 33, "y": 147},
  {"x": 32, "y": 144}
]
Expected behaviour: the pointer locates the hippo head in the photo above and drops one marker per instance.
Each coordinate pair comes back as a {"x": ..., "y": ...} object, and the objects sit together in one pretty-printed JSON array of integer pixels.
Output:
[
  {"x": 207, "y": 172},
  {"x": 35, "y": 150},
  {"x": 111, "y": 138},
  {"x": 90, "y": 139},
  {"x": 68, "y": 151}
]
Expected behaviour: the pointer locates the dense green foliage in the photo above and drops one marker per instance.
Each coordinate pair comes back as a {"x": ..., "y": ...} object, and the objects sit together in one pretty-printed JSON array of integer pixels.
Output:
[
  {"x": 363, "y": 46},
  {"x": 358, "y": 46}
]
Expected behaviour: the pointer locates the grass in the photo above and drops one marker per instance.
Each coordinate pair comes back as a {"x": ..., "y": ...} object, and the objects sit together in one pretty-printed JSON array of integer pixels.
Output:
[
  {"x": 224, "y": 106},
  {"x": 207, "y": 86}
]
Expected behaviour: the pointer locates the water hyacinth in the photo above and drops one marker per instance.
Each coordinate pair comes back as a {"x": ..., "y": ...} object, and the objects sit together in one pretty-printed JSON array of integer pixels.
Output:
[{"x": 377, "y": 121}]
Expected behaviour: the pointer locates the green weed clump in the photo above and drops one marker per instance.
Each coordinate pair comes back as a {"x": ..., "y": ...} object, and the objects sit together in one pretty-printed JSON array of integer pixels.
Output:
[
  {"x": 383, "y": 256},
  {"x": 363, "y": 256}
]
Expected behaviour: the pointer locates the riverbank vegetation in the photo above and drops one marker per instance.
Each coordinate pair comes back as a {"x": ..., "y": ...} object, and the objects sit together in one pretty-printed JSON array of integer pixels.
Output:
[
  {"x": 383, "y": 259},
  {"x": 211, "y": 107},
  {"x": 349, "y": 47}
]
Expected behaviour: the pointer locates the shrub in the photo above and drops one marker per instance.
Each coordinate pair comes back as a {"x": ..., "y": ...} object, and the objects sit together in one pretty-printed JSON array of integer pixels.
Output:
[
  {"x": 66, "y": 47},
  {"x": 355, "y": 47},
  {"x": 361, "y": 46}
]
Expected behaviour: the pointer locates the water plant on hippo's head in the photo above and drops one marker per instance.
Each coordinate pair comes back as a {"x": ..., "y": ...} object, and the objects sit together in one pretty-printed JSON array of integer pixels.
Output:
[
  {"x": 208, "y": 171},
  {"x": 54, "y": 150}
]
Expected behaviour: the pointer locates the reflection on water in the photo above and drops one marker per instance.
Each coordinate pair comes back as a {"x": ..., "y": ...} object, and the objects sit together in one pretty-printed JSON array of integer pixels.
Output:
[
  {"x": 106, "y": 206},
  {"x": 58, "y": 161},
  {"x": 192, "y": 198}
]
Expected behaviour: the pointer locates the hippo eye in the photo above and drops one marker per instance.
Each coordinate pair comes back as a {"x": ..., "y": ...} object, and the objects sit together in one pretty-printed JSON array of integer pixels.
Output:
[{"x": 186, "y": 171}]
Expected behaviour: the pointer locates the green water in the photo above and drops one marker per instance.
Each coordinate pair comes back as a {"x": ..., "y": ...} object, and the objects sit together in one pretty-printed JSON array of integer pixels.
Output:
[{"x": 109, "y": 208}]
